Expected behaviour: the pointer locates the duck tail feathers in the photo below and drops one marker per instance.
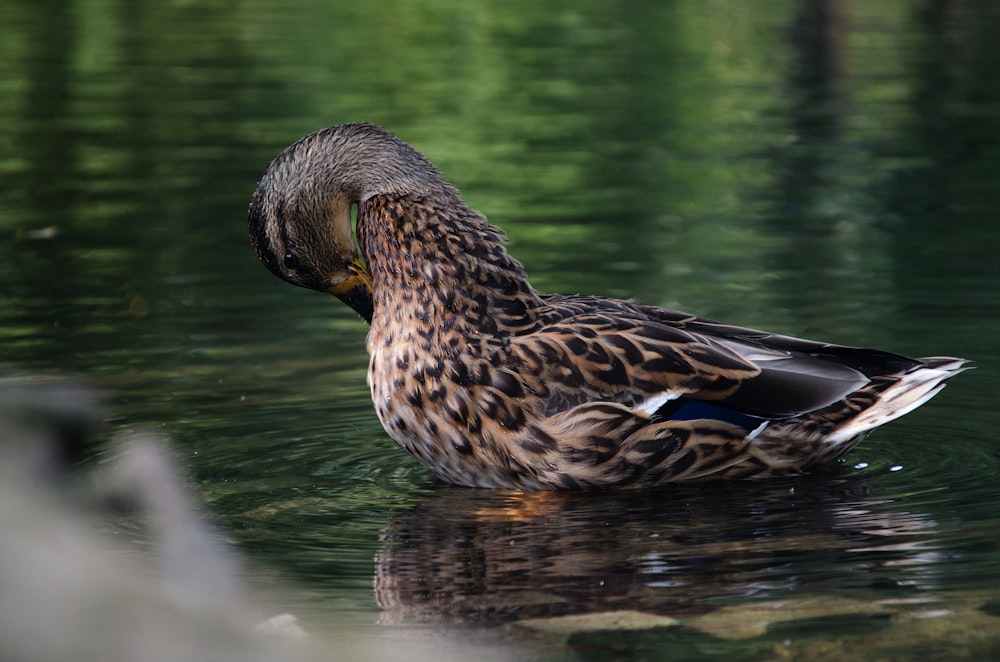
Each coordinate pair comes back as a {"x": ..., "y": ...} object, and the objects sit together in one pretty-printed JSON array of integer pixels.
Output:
[{"x": 912, "y": 389}]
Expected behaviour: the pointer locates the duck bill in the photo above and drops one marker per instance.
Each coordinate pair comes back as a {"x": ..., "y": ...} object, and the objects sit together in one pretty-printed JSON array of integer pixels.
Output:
[{"x": 356, "y": 291}]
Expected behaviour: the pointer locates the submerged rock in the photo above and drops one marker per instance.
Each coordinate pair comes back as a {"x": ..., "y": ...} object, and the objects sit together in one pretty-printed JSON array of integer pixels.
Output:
[{"x": 618, "y": 620}]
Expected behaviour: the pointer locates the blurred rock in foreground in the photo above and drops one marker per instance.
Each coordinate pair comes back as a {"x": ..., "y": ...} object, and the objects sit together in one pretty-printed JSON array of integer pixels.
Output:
[{"x": 70, "y": 592}]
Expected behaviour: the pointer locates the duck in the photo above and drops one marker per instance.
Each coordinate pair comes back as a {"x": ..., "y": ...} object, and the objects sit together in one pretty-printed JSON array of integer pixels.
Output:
[{"x": 490, "y": 383}]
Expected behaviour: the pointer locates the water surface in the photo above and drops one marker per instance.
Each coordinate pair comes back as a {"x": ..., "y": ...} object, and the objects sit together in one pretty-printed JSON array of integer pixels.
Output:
[{"x": 823, "y": 169}]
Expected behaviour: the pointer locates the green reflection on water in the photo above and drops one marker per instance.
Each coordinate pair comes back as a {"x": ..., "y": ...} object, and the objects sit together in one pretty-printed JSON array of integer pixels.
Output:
[{"x": 820, "y": 169}]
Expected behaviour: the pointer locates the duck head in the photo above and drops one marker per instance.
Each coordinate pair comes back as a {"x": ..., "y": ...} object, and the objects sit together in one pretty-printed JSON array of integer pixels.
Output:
[{"x": 300, "y": 214}]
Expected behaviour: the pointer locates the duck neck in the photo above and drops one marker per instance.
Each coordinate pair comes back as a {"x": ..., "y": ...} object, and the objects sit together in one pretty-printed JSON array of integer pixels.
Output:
[{"x": 440, "y": 262}]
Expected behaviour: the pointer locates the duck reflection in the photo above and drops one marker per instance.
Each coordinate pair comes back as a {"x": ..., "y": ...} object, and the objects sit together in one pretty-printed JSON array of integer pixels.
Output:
[{"x": 490, "y": 557}]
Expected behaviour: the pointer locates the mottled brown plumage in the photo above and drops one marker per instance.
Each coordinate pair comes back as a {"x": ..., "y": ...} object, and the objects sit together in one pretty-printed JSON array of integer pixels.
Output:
[{"x": 490, "y": 383}]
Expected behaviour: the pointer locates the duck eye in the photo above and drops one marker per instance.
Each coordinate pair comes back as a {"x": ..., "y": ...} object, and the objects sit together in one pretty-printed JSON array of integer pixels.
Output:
[{"x": 291, "y": 261}]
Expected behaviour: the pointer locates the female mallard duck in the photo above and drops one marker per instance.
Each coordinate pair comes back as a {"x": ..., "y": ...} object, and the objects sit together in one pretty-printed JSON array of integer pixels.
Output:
[{"x": 490, "y": 383}]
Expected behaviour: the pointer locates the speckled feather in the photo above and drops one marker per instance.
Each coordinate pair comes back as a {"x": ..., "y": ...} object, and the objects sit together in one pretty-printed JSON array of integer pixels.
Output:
[{"x": 490, "y": 383}]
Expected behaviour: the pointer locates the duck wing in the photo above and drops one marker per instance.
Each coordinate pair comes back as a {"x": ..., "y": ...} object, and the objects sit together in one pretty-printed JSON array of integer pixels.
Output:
[{"x": 676, "y": 366}]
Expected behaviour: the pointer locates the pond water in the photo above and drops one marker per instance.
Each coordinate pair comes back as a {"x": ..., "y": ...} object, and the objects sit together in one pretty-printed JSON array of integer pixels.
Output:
[{"x": 817, "y": 168}]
